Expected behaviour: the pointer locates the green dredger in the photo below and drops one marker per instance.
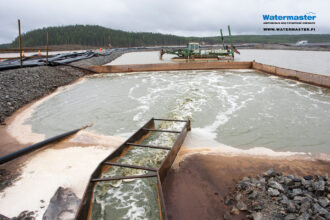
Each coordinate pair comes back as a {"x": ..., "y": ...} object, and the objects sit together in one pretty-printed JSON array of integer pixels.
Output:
[{"x": 194, "y": 51}]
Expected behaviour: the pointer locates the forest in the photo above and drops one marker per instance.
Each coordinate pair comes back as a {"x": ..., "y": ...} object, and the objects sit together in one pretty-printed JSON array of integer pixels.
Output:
[{"x": 94, "y": 35}]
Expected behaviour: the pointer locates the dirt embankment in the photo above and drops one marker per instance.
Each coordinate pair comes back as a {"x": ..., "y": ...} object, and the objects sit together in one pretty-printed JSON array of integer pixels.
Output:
[
  {"x": 197, "y": 186},
  {"x": 21, "y": 86}
]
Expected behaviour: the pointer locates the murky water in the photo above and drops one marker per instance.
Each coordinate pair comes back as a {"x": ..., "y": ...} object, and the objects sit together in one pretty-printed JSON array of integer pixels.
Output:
[
  {"x": 240, "y": 108},
  {"x": 134, "y": 198}
]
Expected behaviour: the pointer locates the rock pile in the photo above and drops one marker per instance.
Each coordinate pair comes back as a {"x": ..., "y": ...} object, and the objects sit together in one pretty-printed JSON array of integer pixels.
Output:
[{"x": 273, "y": 195}]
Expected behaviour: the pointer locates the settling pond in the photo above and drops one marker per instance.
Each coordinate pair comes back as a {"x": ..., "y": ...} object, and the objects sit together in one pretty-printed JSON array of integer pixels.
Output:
[{"x": 239, "y": 108}]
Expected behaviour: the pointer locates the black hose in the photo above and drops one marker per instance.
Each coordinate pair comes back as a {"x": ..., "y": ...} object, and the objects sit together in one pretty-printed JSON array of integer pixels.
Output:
[
  {"x": 53, "y": 63},
  {"x": 36, "y": 146}
]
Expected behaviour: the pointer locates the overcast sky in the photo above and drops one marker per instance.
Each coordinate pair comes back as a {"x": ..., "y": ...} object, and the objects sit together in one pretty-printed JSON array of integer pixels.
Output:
[{"x": 180, "y": 17}]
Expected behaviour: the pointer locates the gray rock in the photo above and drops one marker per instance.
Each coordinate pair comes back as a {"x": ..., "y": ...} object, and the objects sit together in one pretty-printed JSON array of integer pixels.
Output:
[
  {"x": 254, "y": 181},
  {"x": 290, "y": 217},
  {"x": 304, "y": 216},
  {"x": 287, "y": 180},
  {"x": 306, "y": 183},
  {"x": 296, "y": 192},
  {"x": 284, "y": 200},
  {"x": 281, "y": 179},
  {"x": 291, "y": 207},
  {"x": 238, "y": 197},
  {"x": 258, "y": 216},
  {"x": 291, "y": 177},
  {"x": 253, "y": 195},
  {"x": 305, "y": 205},
  {"x": 298, "y": 198},
  {"x": 63, "y": 205},
  {"x": 262, "y": 180},
  {"x": 273, "y": 192},
  {"x": 318, "y": 217},
  {"x": 276, "y": 185},
  {"x": 241, "y": 206},
  {"x": 319, "y": 185},
  {"x": 323, "y": 201},
  {"x": 319, "y": 210},
  {"x": 296, "y": 184},
  {"x": 270, "y": 173}
]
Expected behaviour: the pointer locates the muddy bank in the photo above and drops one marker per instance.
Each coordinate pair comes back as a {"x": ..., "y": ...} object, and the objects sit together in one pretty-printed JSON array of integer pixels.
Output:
[
  {"x": 21, "y": 86},
  {"x": 197, "y": 186}
]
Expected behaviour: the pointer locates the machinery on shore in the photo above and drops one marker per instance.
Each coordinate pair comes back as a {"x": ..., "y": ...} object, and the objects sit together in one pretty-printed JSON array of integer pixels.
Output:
[{"x": 194, "y": 51}]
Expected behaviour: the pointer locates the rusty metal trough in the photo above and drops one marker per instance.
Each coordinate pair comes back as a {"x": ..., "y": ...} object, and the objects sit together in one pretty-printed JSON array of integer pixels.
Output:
[{"x": 84, "y": 211}]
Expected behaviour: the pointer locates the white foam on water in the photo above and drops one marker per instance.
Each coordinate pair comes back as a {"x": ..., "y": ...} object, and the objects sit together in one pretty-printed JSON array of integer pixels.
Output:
[
  {"x": 232, "y": 100},
  {"x": 93, "y": 138},
  {"x": 201, "y": 138},
  {"x": 243, "y": 70}
]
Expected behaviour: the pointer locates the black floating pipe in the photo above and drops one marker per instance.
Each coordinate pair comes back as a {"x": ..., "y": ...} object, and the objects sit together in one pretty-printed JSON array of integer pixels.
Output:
[
  {"x": 77, "y": 67},
  {"x": 38, "y": 145}
]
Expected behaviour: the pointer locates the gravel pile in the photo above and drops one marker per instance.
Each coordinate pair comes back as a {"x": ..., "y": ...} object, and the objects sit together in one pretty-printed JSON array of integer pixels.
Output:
[
  {"x": 276, "y": 196},
  {"x": 21, "y": 86}
]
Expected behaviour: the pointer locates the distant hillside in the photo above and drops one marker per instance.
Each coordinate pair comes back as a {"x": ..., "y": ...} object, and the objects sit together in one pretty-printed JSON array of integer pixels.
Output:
[
  {"x": 4, "y": 46},
  {"x": 93, "y": 35}
]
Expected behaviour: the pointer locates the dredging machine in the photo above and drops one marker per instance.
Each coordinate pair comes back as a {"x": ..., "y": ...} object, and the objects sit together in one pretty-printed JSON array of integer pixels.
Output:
[{"x": 193, "y": 51}]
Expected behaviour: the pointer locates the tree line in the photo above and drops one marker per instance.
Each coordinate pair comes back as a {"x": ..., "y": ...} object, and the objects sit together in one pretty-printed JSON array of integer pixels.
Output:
[{"x": 94, "y": 35}]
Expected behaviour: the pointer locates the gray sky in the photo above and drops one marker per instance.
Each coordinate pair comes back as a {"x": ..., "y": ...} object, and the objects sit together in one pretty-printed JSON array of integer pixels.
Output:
[{"x": 180, "y": 17}]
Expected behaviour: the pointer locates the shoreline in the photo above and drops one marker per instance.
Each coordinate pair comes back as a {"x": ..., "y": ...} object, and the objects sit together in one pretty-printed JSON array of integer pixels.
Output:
[
  {"x": 20, "y": 87},
  {"x": 217, "y": 176},
  {"x": 22, "y": 95}
]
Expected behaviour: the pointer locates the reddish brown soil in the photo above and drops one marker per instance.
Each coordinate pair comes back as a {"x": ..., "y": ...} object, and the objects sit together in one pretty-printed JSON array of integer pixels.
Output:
[{"x": 196, "y": 189}]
